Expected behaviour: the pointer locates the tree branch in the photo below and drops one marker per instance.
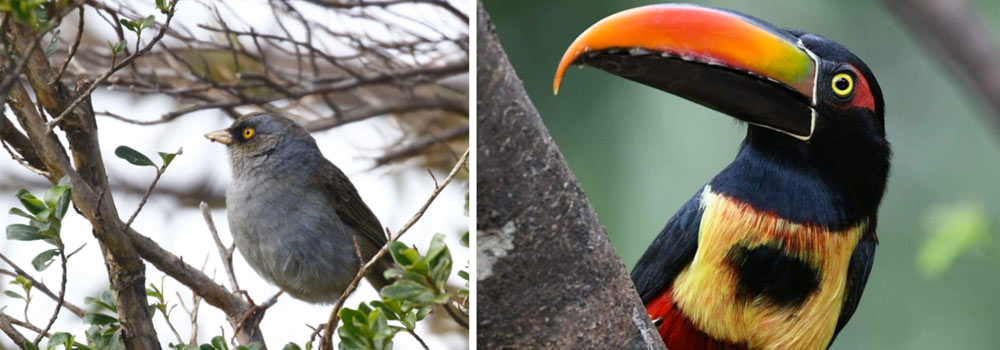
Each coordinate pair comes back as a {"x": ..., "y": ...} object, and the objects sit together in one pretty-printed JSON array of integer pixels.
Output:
[
  {"x": 958, "y": 35},
  {"x": 548, "y": 277}
]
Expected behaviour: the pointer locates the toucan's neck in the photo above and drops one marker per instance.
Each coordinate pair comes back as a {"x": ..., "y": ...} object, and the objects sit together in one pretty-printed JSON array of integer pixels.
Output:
[{"x": 807, "y": 182}]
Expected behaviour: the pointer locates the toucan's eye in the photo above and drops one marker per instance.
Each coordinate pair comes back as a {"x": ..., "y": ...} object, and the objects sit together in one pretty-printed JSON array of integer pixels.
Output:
[
  {"x": 843, "y": 84},
  {"x": 247, "y": 133}
]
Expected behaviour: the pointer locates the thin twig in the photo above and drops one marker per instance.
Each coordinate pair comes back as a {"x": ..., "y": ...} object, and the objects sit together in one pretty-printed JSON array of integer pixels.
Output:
[
  {"x": 193, "y": 314},
  {"x": 327, "y": 342},
  {"x": 455, "y": 316},
  {"x": 60, "y": 300},
  {"x": 90, "y": 89},
  {"x": 23, "y": 162},
  {"x": 72, "y": 50},
  {"x": 76, "y": 310},
  {"x": 31, "y": 327},
  {"x": 414, "y": 334},
  {"x": 145, "y": 197},
  {"x": 225, "y": 254}
]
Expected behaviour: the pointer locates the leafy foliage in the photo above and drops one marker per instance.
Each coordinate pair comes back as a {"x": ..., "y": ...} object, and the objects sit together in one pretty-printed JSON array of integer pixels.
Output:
[
  {"x": 138, "y": 25},
  {"x": 366, "y": 328},
  {"x": 30, "y": 12},
  {"x": 44, "y": 221},
  {"x": 419, "y": 285},
  {"x": 137, "y": 158},
  {"x": 217, "y": 343}
]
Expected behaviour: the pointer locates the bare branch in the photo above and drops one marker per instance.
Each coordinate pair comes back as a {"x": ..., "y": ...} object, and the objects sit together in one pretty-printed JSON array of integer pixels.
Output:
[
  {"x": 962, "y": 40},
  {"x": 8, "y": 329},
  {"x": 60, "y": 300},
  {"x": 90, "y": 89},
  {"x": 225, "y": 253},
  {"x": 76, "y": 310}
]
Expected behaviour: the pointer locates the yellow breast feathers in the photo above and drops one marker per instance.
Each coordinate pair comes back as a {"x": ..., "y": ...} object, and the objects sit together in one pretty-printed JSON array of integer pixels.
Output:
[{"x": 708, "y": 291}]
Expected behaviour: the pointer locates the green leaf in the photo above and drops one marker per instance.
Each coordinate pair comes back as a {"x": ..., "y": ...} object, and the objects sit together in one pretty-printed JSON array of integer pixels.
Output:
[
  {"x": 29, "y": 345},
  {"x": 65, "y": 182},
  {"x": 955, "y": 230},
  {"x": 51, "y": 48},
  {"x": 143, "y": 24},
  {"x": 407, "y": 290},
  {"x": 395, "y": 273},
  {"x": 169, "y": 157},
  {"x": 465, "y": 239},
  {"x": 98, "y": 319},
  {"x": 133, "y": 156},
  {"x": 218, "y": 342},
  {"x": 463, "y": 274},
  {"x": 13, "y": 294},
  {"x": 20, "y": 232},
  {"x": 422, "y": 313},
  {"x": 75, "y": 251},
  {"x": 396, "y": 249},
  {"x": 34, "y": 205},
  {"x": 105, "y": 300},
  {"x": 62, "y": 206},
  {"x": 130, "y": 25},
  {"x": 260, "y": 346},
  {"x": 44, "y": 259},
  {"x": 162, "y": 6},
  {"x": 291, "y": 346},
  {"x": 52, "y": 195},
  {"x": 118, "y": 47},
  {"x": 439, "y": 258},
  {"x": 19, "y": 212},
  {"x": 46, "y": 215},
  {"x": 60, "y": 338}
]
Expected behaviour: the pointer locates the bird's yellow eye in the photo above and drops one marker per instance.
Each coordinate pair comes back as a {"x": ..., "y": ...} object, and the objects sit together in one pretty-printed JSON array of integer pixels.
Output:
[
  {"x": 247, "y": 133},
  {"x": 843, "y": 84}
]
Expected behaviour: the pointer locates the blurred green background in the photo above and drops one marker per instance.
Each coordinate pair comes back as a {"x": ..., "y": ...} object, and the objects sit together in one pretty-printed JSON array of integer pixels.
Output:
[{"x": 640, "y": 153}]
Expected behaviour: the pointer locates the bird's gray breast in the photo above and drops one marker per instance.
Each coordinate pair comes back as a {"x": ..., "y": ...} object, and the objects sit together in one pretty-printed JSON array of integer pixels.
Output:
[{"x": 291, "y": 235}]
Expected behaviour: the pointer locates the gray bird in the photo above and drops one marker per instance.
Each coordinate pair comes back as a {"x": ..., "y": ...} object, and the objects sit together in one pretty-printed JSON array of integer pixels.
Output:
[{"x": 293, "y": 214}]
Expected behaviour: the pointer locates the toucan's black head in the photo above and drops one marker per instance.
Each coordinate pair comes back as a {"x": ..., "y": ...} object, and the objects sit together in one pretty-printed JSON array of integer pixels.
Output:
[
  {"x": 848, "y": 94},
  {"x": 809, "y": 101}
]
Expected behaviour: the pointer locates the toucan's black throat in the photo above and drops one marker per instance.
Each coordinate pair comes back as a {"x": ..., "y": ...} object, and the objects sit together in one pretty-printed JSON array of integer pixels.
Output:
[{"x": 821, "y": 182}]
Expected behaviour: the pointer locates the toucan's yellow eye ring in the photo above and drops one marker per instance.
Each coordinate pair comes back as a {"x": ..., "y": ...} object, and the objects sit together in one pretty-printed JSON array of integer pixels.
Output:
[
  {"x": 247, "y": 133},
  {"x": 842, "y": 84}
]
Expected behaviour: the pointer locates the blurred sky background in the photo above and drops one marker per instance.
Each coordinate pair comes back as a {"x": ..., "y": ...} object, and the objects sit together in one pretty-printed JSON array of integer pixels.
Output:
[
  {"x": 639, "y": 153},
  {"x": 393, "y": 192}
]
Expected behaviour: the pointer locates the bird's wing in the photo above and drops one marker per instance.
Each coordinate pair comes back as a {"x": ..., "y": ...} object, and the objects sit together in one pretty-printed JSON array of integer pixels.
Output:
[
  {"x": 671, "y": 251},
  {"x": 857, "y": 276},
  {"x": 349, "y": 206}
]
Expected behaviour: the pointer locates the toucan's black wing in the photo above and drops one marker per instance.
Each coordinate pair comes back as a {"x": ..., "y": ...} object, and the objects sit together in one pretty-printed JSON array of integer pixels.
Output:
[
  {"x": 671, "y": 251},
  {"x": 857, "y": 276}
]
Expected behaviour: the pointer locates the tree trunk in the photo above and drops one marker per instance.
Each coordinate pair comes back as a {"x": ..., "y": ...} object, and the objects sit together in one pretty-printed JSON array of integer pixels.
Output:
[{"x": 548, "y": 275}]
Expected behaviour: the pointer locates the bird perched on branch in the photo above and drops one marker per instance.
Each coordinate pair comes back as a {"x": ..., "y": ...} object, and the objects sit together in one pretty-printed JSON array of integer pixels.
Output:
[
  {"x": 773, "y": 252},
  {"x": 295, "y": 216}
]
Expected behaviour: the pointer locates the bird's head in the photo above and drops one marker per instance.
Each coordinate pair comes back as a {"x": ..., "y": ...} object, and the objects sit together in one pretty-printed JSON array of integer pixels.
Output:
[
  {"x": 801, "y": 85},
  {"x": 253, "y": 138}
]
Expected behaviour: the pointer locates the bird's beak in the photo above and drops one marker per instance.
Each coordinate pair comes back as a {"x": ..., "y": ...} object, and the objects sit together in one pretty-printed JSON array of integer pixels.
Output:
[
  {"x": 726, "y": 61},
  {"x": 220, "y": 136}
]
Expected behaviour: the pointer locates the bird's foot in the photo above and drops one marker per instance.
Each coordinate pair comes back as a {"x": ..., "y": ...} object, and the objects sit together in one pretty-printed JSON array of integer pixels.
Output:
[{"x": 255, "y": 313}]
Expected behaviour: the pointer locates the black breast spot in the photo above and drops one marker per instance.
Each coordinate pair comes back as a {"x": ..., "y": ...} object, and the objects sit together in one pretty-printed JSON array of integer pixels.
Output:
[{"x": 768, "y": 272}]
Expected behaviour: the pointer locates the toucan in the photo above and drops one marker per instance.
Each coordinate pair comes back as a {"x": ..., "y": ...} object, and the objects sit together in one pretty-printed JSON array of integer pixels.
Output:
[{"x": 773, "y": 252}]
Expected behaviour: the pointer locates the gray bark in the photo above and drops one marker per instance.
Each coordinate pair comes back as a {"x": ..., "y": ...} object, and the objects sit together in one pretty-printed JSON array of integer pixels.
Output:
[{"x": 548, "y": 275}]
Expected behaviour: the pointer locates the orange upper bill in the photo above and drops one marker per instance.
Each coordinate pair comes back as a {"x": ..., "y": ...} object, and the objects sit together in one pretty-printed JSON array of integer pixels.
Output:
[{"x": 700, "y": 34}]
